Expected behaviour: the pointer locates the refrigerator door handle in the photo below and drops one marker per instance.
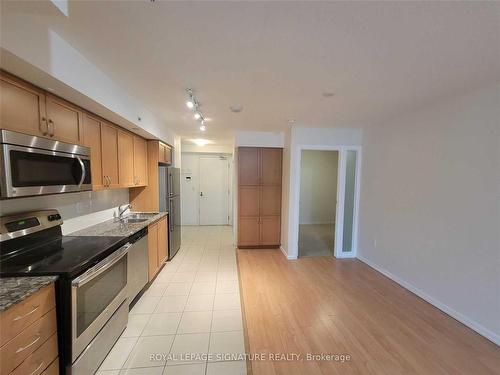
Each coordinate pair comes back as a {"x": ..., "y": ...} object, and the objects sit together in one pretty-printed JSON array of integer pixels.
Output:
[{"x": 171, "y": 215}]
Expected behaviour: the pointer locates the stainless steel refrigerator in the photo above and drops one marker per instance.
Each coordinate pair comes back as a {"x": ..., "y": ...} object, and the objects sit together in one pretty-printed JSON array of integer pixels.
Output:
[{"x": 170, "y": 201}]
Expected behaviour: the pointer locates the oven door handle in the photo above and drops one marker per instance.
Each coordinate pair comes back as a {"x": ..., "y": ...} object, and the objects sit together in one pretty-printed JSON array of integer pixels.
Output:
[
  {"x": 83, "y": 171},
  {"x": 100, "y": 267}
]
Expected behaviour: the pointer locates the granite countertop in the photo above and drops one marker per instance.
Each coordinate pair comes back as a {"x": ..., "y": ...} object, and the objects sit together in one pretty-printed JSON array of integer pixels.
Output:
[
  {"x": 115, "y": 228},
  {"x": 16, "y": 289}
]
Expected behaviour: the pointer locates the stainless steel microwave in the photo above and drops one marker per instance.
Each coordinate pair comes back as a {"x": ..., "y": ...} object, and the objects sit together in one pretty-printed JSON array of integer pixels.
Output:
[{"x": 38, "y": 166}]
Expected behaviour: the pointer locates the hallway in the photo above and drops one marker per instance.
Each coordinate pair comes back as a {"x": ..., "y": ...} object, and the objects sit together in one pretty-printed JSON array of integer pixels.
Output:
[{"x": 192, "y": 308}]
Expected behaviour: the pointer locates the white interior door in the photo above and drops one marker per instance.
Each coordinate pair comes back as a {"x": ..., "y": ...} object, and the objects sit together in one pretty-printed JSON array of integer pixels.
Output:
[{"x": 214, "y": 191}]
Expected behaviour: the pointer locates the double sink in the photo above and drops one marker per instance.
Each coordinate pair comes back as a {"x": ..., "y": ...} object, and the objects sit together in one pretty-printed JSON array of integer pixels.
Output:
[{"x": 137, "y": 217}]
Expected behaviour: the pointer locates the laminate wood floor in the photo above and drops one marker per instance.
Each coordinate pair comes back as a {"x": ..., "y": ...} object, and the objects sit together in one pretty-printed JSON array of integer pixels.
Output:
[{"x": 325, "y": 305}]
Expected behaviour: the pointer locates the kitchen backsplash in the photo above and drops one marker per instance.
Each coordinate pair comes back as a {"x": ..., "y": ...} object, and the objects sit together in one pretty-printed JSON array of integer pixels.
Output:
[{"x": 78, "y": 210}]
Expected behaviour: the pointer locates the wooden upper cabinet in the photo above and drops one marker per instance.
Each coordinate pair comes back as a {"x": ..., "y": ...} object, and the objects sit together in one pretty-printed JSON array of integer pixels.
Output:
[
  {"x": 140, "y": 161},
  {"x": 165, "y": 153},
  {"x": 248, "y": 166},
  {"x": 109, "y": 149},
  {"x": 22, "y": 107},
  {"x": 270, "y": 166},
  {"x": 125, "y": 159},
  {"x": 162, "y": 241},
  {"x": 64, "y": 120},
  {"x": 92, "y": 139}
]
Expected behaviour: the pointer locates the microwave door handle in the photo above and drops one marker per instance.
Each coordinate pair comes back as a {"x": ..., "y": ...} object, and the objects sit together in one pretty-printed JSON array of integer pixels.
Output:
[
  {"x": 101, "y": 267},
  {"x": 83, "y": 171}
]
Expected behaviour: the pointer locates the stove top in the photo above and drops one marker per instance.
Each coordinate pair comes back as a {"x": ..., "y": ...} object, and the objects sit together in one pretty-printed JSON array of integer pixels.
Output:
[{"x": 65, "y": 256}]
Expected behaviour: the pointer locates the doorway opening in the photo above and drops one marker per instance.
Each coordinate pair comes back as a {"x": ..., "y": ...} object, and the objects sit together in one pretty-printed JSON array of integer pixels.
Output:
[
  {"x": 318, "y": 202},
  {"x": 206, "y": 187}
]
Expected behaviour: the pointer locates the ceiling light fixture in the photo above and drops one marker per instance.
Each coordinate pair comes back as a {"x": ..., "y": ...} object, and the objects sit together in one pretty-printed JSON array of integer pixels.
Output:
[
  {"x": 194, "y": 105},
  {"x": 201, "y": 142}
]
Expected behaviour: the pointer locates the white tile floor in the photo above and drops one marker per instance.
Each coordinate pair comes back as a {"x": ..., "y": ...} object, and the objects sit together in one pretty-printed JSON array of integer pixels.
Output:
[{"x": 192, "y": 307}]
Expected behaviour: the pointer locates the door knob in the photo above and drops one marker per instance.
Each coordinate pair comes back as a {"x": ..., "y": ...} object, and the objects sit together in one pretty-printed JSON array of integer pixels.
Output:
[{"x": 201, "y": 194}]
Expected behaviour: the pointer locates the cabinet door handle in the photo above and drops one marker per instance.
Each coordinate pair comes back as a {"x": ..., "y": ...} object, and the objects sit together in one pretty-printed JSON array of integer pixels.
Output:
[
  {"x": 19, "y": 317},
  {"x": 38, "y": 368},
  {"x": 43, "y": 121},
  {"x": 21, "y": 349},
  {"x": 50, "y": 127}
]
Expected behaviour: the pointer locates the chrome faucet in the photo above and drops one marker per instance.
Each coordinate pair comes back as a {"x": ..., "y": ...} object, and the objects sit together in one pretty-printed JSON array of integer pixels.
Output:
[{"x": 121, "y": 210}]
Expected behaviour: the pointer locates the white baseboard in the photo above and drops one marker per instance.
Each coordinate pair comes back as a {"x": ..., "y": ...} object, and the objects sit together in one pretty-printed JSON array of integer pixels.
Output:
[
  {"x": 483, "y": 331},
  {"x": 289, "y": 257}
]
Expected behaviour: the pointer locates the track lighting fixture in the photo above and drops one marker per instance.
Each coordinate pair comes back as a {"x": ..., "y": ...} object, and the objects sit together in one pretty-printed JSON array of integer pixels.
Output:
[{"x": 194, "y": 105}]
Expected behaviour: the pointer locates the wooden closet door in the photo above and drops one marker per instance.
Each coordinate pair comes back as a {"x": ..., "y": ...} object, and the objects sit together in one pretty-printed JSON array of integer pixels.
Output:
[
  {"x": 22, "y": 107},
  {"x": 270, "y": 231},
  {"x": 64, "y": 120},
  {"x": 270, "y": 166},
  {"x": 248, "y": 231},
  {"x": 92, "y": 139},
  {"x": 248, "y": 201},
  {"x": 126, "y": 159},
  {"x": 270, "y": 201},
  {"x": 248, "y": 166},
  {"x": 109, "y": 148}
]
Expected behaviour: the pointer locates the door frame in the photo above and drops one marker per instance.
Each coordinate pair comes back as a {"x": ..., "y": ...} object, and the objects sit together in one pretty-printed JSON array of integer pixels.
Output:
[
  {"x": 339, "y": 217},
  {"x": 229, "y": 186}
]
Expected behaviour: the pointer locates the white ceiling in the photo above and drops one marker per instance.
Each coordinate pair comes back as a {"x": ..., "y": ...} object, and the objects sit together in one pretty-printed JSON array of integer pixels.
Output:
[{"x": 277, "y": 58}]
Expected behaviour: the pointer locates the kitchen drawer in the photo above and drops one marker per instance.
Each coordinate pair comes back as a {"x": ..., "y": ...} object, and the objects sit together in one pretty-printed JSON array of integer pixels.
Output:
[
  {"x": 29, "y": 340},
  {"x": 40, "y": 359},
  {"x": 21, "y": 315},
  {"x": 53, "y": 369}
]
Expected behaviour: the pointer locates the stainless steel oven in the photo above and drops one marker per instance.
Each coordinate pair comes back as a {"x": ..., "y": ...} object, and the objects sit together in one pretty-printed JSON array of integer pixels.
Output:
[
  {"x": 95, "y": 296},
  {"x": 32, "y": 165}
]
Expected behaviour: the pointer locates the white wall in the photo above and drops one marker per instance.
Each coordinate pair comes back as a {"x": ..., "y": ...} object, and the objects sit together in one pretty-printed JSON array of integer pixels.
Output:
[
  {"x": 78, "y": 210},
  {"x": 28, "y": 41},
  {"x": 208, "y": 149},
  {"x": 259, "y": 139},
  {"x": 318, "y": 187},
  {"x": 430, "y": 205}
]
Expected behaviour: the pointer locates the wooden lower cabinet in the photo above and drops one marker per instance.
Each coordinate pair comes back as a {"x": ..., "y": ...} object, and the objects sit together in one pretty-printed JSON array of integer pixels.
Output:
[
  {"x": 153, "y": 250},
  {"x": 29, "y": 336},
  {"x": 270, "y": 230},
  {"x": 249, "y": 231},
  {"x": 39, "y": 359},
  {"x": 157, "y": 246},
  {"x": 162, "y": 241},
  {"x": 53, "y": 369}
]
